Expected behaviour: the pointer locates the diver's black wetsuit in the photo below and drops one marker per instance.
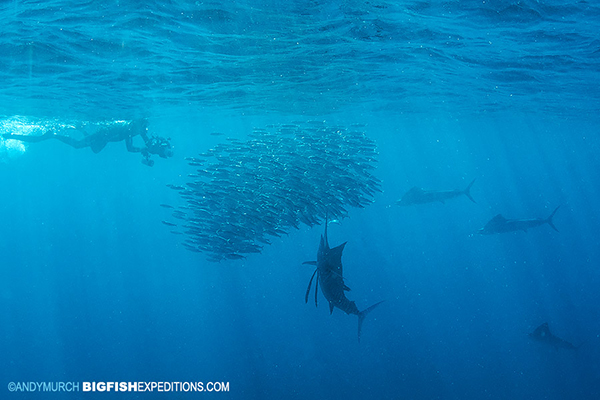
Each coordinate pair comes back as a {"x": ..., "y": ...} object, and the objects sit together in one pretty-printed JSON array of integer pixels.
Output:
[
  {"x": 97, "y": 140},
  {"x": 116, "y": 133}
]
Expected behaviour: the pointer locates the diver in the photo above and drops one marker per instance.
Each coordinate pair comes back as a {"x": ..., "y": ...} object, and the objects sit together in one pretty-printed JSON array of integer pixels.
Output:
[{"x": 112, "y": 133}]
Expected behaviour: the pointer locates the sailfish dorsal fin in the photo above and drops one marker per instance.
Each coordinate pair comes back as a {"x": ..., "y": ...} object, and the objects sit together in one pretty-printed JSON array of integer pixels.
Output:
[
  {"x": 542, "y": 331},
  {"x": 498, "y": 218},
  {"x": 335, "y": 258}
]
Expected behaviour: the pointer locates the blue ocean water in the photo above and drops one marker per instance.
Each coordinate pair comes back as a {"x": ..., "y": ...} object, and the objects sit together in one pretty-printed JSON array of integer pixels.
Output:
[{"x": 95, "y": 289}]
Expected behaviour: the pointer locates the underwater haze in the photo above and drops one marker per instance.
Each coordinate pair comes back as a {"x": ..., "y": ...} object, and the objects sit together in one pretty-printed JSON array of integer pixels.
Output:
[{"x": 94, "y": 287}]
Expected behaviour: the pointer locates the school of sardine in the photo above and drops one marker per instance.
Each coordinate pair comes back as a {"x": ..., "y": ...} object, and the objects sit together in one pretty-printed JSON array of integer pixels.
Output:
[{"x": 243, "y": 192}]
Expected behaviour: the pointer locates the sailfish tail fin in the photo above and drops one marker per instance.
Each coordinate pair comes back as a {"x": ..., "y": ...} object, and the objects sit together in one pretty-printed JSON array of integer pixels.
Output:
[
  {"x": 363, "y": 314},
  {"x": 549, "y": 219},
  {"x": 467, "y": 191}
]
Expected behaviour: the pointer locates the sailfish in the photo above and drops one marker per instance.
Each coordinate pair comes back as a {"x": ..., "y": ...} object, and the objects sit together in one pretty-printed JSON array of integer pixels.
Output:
[
  {"x": 329, "y": 274},
  {"x": 417, "y": 195},
  {"x": 499, "y": 224},
  {"x": 542, "y": 334}
]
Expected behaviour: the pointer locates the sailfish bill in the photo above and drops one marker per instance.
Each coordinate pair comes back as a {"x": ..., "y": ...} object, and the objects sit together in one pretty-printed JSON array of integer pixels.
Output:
[{"x": 329, "y": 273}]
